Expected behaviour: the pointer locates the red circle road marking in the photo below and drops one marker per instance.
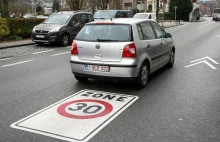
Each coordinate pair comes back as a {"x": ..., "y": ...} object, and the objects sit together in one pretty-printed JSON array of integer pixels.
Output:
[{"x": 107, "y": 110}]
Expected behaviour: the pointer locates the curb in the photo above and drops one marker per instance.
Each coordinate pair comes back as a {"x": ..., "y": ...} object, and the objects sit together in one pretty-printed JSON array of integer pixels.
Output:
[
  {"x": 173, "y": 26},
  {"x": 17, "y": 45}
]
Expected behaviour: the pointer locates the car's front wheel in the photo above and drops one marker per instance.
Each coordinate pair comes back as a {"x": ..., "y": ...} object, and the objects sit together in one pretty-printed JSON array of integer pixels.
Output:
[
  {"x": 143, "y": 76},
  {"x": 65, "y": 40},
  {"x": 81, "y": 79}
]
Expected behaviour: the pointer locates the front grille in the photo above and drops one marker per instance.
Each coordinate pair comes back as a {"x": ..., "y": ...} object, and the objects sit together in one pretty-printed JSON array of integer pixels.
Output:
[{"x": 42, "y": 32}]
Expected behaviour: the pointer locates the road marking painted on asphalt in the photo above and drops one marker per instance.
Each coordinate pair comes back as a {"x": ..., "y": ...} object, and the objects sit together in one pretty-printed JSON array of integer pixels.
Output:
[
  {"x": 4, "y": 59},
  {"x": 217, "y": 36},
  {"x": 43, "y": 51},
  {"x": 204, "y": 61},
  {"x": 78, "y": 117},
  {"x": 8, "y": 65},
  {"x": 60, "y": 53}
]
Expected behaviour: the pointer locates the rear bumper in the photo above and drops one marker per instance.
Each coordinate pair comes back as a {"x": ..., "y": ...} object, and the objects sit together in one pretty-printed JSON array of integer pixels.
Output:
[{"x": 117, "y": 72}]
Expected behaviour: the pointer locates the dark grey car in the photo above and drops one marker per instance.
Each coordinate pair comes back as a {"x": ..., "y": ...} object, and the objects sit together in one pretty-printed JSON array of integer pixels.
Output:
[{"x": 61, "y": 27}]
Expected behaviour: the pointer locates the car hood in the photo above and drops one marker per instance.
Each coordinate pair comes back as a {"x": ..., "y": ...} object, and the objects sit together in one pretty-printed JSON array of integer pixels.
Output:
[{"x": 47, "y": 27}]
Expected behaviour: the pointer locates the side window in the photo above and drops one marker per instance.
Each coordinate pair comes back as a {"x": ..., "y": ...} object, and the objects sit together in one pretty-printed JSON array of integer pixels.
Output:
[
  {"x": 124, "y": 14},
  {"x": 90, "y": 18},
  {"x": 159, "y": 30},
  {"x": 148, "y": 32},
  {"x": 140, "y": 32},
  {"x": 118, "y": 14},
  {"x": 84, "y": 18},
  {"x": 149, "y": 16},
  {"x": 75, "y": 19}
]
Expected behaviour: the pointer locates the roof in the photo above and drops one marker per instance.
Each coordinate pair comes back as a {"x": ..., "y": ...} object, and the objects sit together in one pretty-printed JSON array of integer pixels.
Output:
[
  {"x": 122, "y": 21},
  {"x": 145, "y": 13},
  {"x": 71, "y": 12}
]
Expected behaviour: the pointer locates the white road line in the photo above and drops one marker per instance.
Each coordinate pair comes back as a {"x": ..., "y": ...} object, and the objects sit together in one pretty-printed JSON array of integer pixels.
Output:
[
  {"x": 4, "y": 59},
  {"x": 17, "y": 63},
  {"x": 60, "y": 53},
  {"x": 43, "y": 51}
]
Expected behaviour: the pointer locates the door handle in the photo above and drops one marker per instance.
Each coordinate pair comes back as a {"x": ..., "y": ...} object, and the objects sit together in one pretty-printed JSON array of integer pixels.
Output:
[{"x": 148, "y": 46}]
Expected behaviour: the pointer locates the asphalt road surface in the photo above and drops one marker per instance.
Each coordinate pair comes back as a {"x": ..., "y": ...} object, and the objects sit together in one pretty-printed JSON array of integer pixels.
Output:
[{"x": 179, "y": 104}]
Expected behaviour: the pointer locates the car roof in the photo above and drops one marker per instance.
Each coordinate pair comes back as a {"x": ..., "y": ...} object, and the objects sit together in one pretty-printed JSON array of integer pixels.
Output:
[
  {"x": 130, "y": 21},
  {"x": 145, "y": 13},
  {"x": 71, "y": 12},
  {"x": 114, "y": 10}
]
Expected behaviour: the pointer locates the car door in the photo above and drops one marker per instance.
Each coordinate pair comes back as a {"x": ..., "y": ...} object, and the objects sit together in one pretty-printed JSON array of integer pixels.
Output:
[
  {"x": 74, "y": 26},
  {"x": 164, "y": 50},
  {"x": 149, "y": 43}
]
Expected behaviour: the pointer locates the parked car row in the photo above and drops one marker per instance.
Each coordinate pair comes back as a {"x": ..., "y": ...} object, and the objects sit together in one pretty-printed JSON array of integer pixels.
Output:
[{"x": 62, "y": 27}]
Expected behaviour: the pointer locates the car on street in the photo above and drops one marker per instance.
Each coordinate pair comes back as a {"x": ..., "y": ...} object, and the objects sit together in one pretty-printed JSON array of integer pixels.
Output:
[
  {"x": 145, "y": 16},
  {"x": 61, "y": 27},
  {"x": 111, "y": 14},
  {"x": 216, "y": 14},
  {"x": 121, "y": 49}
]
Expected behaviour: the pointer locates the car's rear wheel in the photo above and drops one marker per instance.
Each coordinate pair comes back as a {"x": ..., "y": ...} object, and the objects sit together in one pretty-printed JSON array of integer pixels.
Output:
[
  {"x": 143, "y": 76},
  {"x": 81, "y": 79},
  {"x": 172, "y": 59},
  {"x": 65, "y": 40}
]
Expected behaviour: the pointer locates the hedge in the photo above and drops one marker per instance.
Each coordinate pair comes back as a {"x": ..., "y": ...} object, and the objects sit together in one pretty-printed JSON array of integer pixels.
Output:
[
  {"x": 23, "y": 27},
  {"x": 4, "y": 28},
  {"x": 17, "y": 27}
]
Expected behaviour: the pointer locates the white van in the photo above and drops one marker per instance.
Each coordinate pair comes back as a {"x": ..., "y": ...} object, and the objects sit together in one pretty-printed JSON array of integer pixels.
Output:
[{"x": 145, "y": 16}]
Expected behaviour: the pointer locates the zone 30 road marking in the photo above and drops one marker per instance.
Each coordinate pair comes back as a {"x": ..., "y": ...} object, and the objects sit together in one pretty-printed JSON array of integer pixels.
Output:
[{"x": 77, "y": 118}]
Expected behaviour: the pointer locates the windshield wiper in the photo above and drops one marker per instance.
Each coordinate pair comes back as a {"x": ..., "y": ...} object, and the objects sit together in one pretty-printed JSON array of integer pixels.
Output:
[{"x": 105, "y": 40}]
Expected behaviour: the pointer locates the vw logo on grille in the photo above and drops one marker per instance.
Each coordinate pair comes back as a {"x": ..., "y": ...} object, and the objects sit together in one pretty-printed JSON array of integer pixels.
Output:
[{"x": 98, "y": 46}]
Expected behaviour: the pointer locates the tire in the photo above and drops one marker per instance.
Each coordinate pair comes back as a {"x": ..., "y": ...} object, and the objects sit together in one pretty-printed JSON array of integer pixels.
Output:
[
  {"x": 65, "y": 40},
  {"x": 143, "y": 76},
  {"x": 172, "y": 59},
  {"x": 81, "y": 79},
  {"x": 40, "y": 43}
]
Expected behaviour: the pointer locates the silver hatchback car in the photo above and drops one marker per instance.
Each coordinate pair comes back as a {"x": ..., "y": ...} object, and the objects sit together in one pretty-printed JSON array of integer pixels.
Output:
[{"x": 121, "y": 49}]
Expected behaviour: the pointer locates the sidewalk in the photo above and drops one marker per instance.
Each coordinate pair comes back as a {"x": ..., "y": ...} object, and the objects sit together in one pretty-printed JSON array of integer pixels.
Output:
[
  {"x": 170, "y": 24},
  {"x": 16, "y": 43}
]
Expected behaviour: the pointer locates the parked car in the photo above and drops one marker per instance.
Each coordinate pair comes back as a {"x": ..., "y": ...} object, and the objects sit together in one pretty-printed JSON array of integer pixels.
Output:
[
  {"x": 111, "y": 14},
  {"x": 145, "y": 16},
  {"x": 42, "y": 16},
  {"x": 61, "y": 27},
  {"x": 121, "y": 49}
]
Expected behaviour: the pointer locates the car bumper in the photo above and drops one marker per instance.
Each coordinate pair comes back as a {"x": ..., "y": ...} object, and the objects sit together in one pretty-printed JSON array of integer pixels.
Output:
[
  {"x": 116, "y": 72},
  {"x": 48, "y": 38}
]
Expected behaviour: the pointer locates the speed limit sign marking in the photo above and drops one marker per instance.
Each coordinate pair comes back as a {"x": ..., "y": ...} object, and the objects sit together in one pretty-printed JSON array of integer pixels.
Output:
[{"x": 78, "y": 117}]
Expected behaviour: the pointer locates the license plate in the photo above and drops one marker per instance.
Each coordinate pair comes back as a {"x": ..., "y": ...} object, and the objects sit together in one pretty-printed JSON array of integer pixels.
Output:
[
  {"x": 97, "y": 68},
  {"x": 40, "y": 36}
]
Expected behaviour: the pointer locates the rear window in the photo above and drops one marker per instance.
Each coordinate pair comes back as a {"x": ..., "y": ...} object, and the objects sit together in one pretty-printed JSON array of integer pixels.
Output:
[
  {"x": 217, "y": 11},
  {"x": 105, "y": 32}
]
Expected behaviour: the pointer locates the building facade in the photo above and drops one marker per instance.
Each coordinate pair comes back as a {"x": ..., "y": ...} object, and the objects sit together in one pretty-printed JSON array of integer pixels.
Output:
[{"x": 146, "y": 5}]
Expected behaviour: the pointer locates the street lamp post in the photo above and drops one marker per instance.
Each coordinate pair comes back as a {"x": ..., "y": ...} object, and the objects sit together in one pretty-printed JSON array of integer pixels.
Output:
[{"x": 175, "y": 12}]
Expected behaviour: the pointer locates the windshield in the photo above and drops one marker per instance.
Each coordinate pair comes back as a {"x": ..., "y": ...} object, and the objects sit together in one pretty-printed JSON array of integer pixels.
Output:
[
  {"x": 104, "y": 14},
  {"x": 142, "y": 16},
  {"x": 107, "y": 32},
  {"x": 217, "y": 11},
  {"x": 57, "y": 19}
]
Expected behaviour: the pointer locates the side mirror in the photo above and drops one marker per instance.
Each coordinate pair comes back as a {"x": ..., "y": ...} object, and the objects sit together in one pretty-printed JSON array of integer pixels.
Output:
[
  {"x": 73, "y": 23},
  {"x": 169, "y": 35}
]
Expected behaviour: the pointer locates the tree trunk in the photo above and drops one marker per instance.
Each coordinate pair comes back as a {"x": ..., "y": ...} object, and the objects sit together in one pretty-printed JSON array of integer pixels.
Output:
[
  {"x": 5, "y": 9},
  {"x": 157, "y": 10}
]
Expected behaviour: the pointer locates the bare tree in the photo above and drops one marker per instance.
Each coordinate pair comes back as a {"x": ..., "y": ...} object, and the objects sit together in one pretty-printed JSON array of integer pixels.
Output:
[{"x": 75, "y": 4}]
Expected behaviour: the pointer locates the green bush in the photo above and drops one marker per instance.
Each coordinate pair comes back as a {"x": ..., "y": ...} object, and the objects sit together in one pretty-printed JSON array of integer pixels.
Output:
[
  {"x": 4, "y": 28},
  {"x": 23, "y": 27}
]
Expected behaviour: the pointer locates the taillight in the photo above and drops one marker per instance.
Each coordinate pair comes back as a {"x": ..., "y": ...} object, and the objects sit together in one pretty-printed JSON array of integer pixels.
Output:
[
  {"x": 129, "y": 51},
  {"x": 74, "y": 49}
]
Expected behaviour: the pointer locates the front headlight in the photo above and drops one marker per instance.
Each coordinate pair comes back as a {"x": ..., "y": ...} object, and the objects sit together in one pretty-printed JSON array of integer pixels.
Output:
[
  {"x": 55, "y": 29},
  {"x": 34, "y": 29}
]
